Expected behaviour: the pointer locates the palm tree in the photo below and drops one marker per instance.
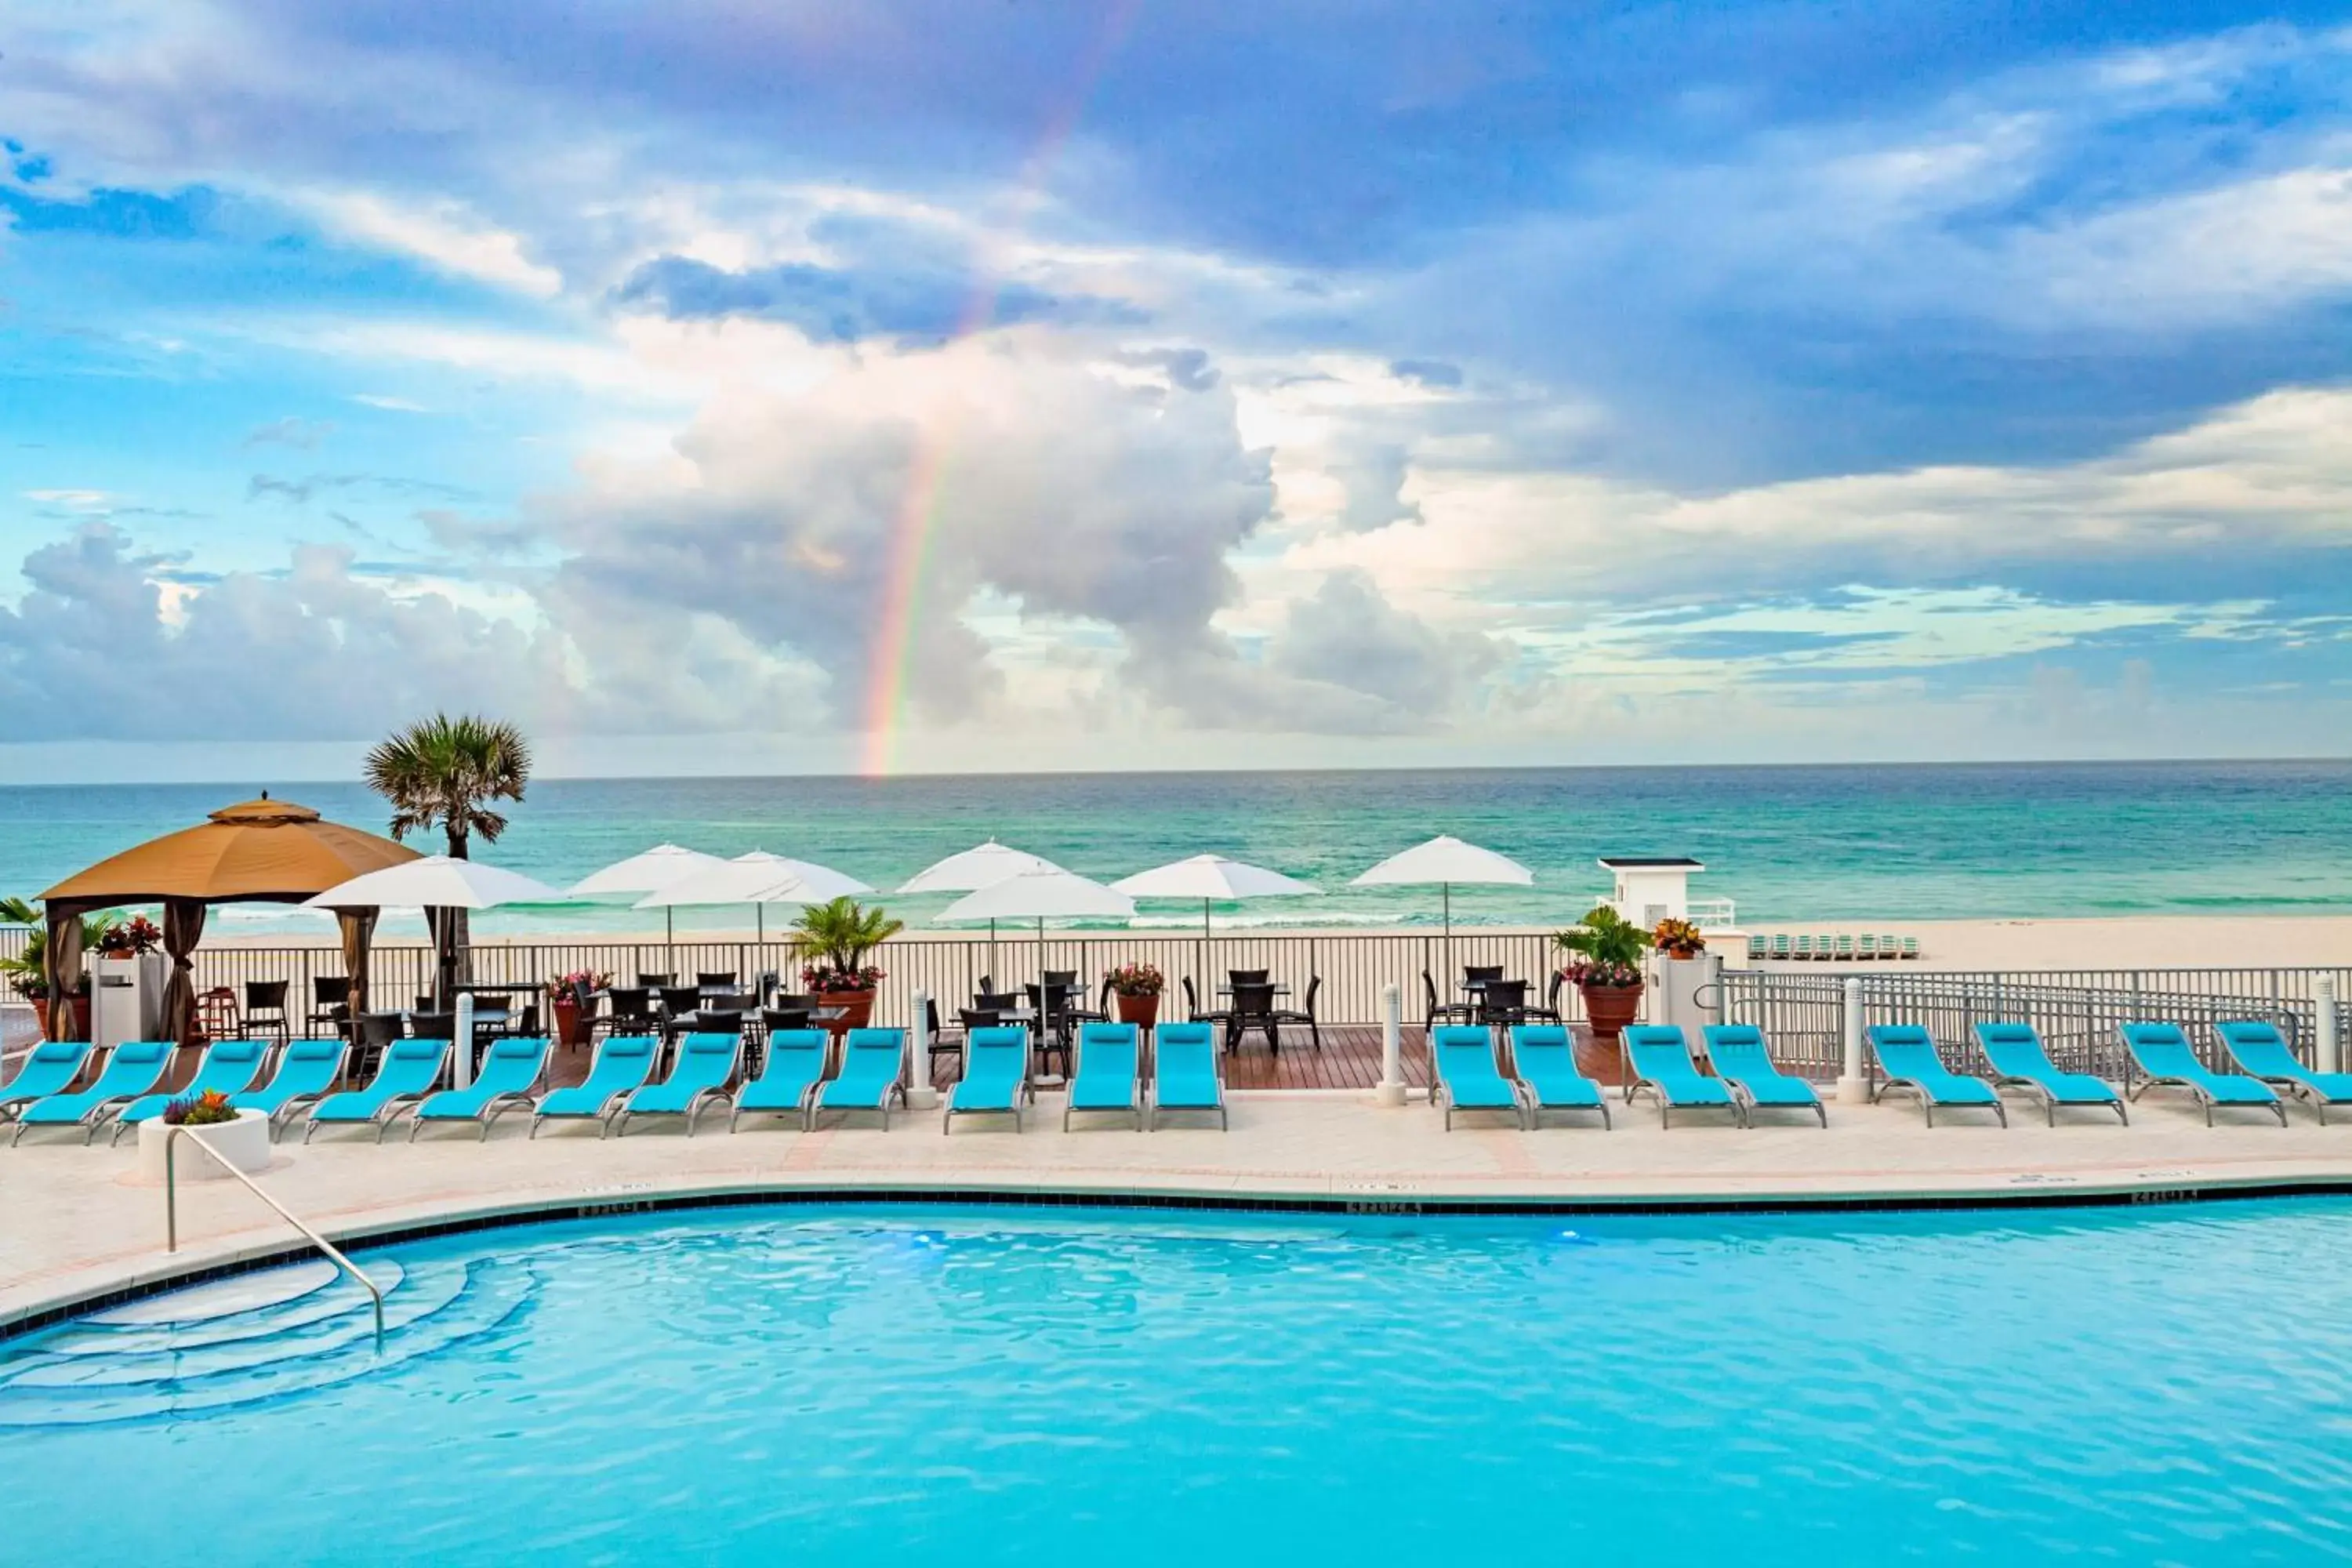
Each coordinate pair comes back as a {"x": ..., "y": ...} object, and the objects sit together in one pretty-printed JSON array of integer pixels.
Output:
[{"x": 444, "y": 773}]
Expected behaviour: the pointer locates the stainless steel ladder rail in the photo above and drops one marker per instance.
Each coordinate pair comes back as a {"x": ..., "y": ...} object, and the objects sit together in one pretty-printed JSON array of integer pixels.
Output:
[{"x": 171, "y": 1218}]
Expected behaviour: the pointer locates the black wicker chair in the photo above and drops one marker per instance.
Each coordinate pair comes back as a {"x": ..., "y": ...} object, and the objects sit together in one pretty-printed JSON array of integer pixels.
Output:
[
  {"x": 1306, "y": 1013},
  {"x": 1442, "y": 1012},
  {"x": 1253, "y": 1008}
]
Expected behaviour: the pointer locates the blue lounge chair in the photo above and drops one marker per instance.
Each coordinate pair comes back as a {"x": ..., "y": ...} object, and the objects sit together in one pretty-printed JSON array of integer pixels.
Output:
[
  {"x": 2021, "y": 1061},
  {"x": 1658, "y": 1057},
  {"x": 53, "y": 1065},
  {"x": 1907, "y": 1056},
  {"x": 1109, "y": 1075},
  {"x": 2165, "y": 1060},
  {"x": 1184, "y": 1072},
  {"x": 229, "y": 1068},
  {"x": 1463, "y": 1058},
  {"x": 995, "y": 1078},
  {"x": 132, "y": 1069},
  {"x": 795, "y": 1065},
  {"x": 705, "y": 1064},
  {"x": 511, "y": 1069},
  {"x": 2261, "y": 1051},
  {"x": 306, "y": 1072},
  {"x": 1741, "y": 1058},
  {"x": 872, "y": 1076},
  {"x": 407, "y": 1074},
  {"x": 620, "y": 1068},
  {"x": 1545, "y": 1062}
]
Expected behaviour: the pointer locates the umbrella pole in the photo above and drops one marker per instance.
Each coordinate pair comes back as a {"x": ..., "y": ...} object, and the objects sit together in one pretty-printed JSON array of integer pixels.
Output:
[
  {"x": 991, "y": 953},
  {"x": 1445, "y": 893},
  {"x": 1207, "y": 950},
  {"x": 669, "y": 938}
]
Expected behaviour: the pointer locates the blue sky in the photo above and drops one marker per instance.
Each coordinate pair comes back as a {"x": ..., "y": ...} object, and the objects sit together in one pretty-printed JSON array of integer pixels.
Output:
[{"x": 1296, "y": 382}]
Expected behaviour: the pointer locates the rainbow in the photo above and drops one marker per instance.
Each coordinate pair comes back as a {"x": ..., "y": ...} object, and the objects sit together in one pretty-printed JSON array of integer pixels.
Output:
[{"x": 917, "y": 517}]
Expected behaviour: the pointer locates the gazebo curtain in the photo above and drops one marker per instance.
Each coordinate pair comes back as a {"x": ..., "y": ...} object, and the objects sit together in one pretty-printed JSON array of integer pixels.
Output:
[
  {"x": 62, "y": 966},
  {"x": 359, "y": 932},
  {"x": 183, "y": 927}
]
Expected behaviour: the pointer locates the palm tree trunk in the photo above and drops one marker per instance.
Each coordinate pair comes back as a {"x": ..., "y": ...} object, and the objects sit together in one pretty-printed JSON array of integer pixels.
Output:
[{"x": 460, "y": 952}]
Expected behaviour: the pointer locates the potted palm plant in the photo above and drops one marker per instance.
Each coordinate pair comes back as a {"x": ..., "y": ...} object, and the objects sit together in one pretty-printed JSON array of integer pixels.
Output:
[
  {"x": 1606, "y": 970},
  {"x": 833, "y": 941},
  {"x": 1137, "y": 987}
]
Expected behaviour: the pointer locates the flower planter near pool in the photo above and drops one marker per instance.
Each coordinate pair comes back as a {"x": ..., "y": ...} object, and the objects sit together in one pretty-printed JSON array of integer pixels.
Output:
[
  {"x": 1143, "y": 1012},
  {"x": 1608, "y": 1008},
  {"x": 858, "y": 1007},
  {"x": 244, "y": 1142}
]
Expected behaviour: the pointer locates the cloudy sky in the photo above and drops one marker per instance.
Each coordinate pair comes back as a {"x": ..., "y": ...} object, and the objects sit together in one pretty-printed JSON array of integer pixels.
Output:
[{"x": 1008, "y": 384}]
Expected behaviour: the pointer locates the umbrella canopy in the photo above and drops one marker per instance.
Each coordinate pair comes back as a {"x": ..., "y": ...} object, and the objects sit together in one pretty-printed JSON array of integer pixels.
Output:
[
  {"x": 1446, "y": 860},
  {"x": 758, "y": 878},
  {"x": 440, "y": 882},
  {"x": 1211, "y": 878},
  {"x": 646, "y": 873},
  {"x": 1040, "y": 895},
  {"x": 974, "y": 868},
  {"x": 263, "y": 851}
]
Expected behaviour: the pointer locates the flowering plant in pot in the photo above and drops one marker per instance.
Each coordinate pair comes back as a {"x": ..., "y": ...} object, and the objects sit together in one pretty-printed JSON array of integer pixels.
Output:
[
  {"x": 1678, "y": 938},
  {"x": 834, "y": 940},
  {"x": 567, "y": 999},
  {"x": 1137, "y": 987},
  {"x": 127, "y": 938},
  {"x": 209, "y": 1109}
]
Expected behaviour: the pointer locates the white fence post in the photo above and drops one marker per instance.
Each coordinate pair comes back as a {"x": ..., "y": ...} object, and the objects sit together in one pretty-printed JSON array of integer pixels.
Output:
[
  {"x": 920, "y": 1094},
  {"x": 1852, "y": 1085},
  {"x": 464, "y": 1070},
  {"x": 2325, "y": 1057},
  {"x": 1391, "y": 1086}
]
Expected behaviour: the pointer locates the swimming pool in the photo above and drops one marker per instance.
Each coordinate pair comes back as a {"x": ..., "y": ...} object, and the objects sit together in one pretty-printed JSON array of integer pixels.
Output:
[{"x": 1146, "y": 1387}]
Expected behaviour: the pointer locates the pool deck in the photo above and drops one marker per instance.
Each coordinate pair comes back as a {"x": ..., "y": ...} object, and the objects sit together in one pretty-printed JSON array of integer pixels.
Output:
[{"x": 77, "y": 1224}]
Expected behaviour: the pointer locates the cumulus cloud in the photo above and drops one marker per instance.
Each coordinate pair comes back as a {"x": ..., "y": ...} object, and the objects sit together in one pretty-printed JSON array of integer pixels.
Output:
[
  {"x": 800, "y": 517},
  {"x": 314, "y": 652}
]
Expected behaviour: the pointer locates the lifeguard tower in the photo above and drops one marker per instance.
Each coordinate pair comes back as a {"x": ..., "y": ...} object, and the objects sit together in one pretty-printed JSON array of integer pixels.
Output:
[{"x": 1653, "y": 888}]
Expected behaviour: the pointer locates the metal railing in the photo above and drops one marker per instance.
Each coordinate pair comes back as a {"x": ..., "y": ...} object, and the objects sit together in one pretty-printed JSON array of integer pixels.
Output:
[
  {"x": 1803, "y": 1015},
  {"x": 172, "y": 1217},
  {"x": 1352, "y": 965}
]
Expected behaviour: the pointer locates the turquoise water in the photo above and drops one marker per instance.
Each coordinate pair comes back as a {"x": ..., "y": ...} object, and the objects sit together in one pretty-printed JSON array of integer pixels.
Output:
[
  {"x": 759, "y": 1386},
  {"x": 1798, "y": 843}
]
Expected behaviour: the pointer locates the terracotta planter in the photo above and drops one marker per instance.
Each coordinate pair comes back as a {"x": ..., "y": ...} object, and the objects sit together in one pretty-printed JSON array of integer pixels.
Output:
[
  {"x": 1143, "y": 1012},
  {"x": 1608, "y": 1008},
  {"x": 858, "y": 1007},
  {"x": 567, "y": 1022},
  {"x": 77, "y": 1017}
]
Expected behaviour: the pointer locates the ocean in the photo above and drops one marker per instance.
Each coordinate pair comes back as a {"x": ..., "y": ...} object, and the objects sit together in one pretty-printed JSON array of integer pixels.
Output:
[{"x": 1876, "y": 843}]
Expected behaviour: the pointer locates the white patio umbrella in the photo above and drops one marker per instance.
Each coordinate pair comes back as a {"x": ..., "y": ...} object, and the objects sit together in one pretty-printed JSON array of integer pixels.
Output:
[
  {"x": 973, "y": 869},
  {"x": 1040, "y": 896},
  {"x": 438, "y": 882},
  {"x": 1212, "y": 878},
  {"x": 646, "y": 873},
  {"x": 1446, "y": 860},
  {"x": 759, "y": 880}
]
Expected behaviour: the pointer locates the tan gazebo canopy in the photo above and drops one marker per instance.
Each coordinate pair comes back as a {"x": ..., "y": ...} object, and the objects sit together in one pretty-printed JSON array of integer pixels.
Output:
[{"x": 263, "y": 851}]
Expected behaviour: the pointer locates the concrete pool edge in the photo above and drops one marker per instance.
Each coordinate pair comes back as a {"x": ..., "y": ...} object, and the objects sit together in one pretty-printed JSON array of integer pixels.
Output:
[{"x": 97, "y": 1288}]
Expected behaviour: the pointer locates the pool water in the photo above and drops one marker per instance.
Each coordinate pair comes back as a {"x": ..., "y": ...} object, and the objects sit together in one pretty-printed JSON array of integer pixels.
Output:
[{"x": 886, "y": 1384}]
